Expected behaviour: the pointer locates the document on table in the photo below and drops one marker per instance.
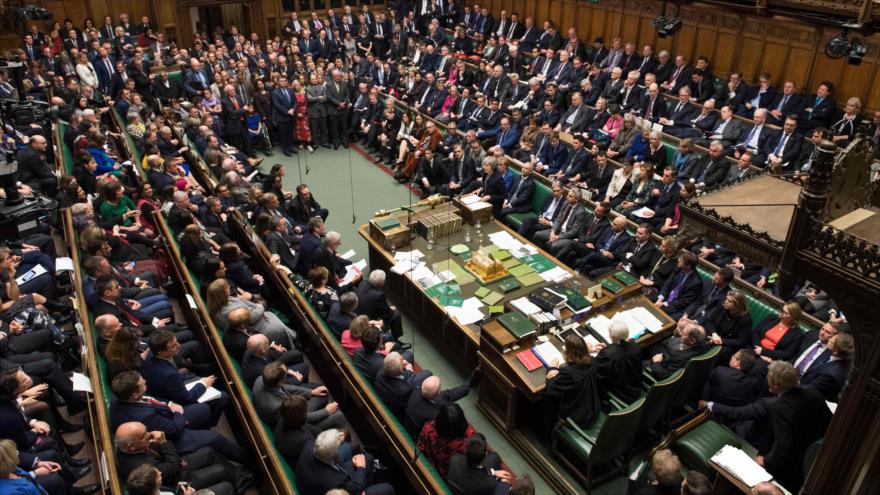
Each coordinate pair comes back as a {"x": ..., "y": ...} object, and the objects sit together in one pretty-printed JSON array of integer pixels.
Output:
[
  {"x": 646, "y": 319},
  {"x": 470, "y": 199},
  {"x": 635, "y": 328},
  {"x": 556, "y": 274},
  {"x": 600, "y": 324},
  {"x": 547, "y": 353},
  {"x": 404, "y": 266},
  {"x": 81, "y": 383},
  {"x": 63, "y": 264},
  {"x": 414, "y": 255},
  {"x": 210, "y": 394},
  {"x": 741, "y": 465},
  {"x": 524, "y": 306}
]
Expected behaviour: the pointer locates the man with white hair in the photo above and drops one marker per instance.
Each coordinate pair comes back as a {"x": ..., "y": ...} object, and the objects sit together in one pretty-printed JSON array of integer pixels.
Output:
[
  {"x": 619, "y": 364},
  {"x": 424, "y": 405},
  {"x": 327, "y": 463},
  {"x": 396, "y": 382},
  {"x": 675, "y": 353},
  {"x": 326, "y": 255},
  {"x": 373, "y": 303}
]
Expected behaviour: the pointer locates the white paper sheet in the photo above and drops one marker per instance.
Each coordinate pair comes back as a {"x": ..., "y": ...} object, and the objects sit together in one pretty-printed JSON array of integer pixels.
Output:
[
  {"x": 63, "y": 264},
  {"x": 404, "y": 266},
  {"x": 81, "y": 383},
  {"x": 347, "y": 255},
  {"x": 466, "y": 315},
  {"x": 648, "y": 320},
  {"x": 554, "y": 274},
  {"x": 414, "y": 255},
  {"x": 600, "y": 324},
  {"x": 210, "y": 393},
  {"x": 525, "y": 306},
  {"x": 547, "y": 353},
  {"x": 741, "y": 465},
  {"x": 470, "y": 199},
  {"x": 360, "y": 265}
]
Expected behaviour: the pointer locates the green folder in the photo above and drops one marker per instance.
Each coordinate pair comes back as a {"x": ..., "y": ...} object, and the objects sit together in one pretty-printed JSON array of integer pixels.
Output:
[
  {"x": 510, "y": 263},
  {"x": 612, "y": 285},
  {"x": 530, "y": 279},
  {"x": 574, "y": 300},
  {"x": 508, "y": 285},
  {"x": 461, "y": 275},
  {"x": 443, "y": 290},
  {"x": 482, "y": 292},
  {"x": 494, "y": 310},
  {"x": 517, "y": 324},
  {"x": 625, "y": 278},
  {"x": 521, "y": 270},
  {"x": 502, "y": 254},
  {"x": 387, "y": 223},
  {"x": 492, "y": 298},
  {"x": 539, "y": 262},
  {"x": 453, "y": 301}
]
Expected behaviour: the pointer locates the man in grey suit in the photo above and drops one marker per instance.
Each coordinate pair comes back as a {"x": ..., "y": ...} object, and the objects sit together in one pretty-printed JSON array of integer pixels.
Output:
[
  {"x": 270, "y": 390},
  {"x": 567, "y": 225},
  {"x": 338, "y": 103},
  {"x": 575, "y": 118},
  {"x": 727, "y": 130},
  {"x": 316, "y": 96}
]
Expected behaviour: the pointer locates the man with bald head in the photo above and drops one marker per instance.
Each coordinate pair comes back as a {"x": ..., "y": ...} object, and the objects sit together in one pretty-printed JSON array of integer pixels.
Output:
[
  {"x": 204, "y": 468},
  {"x": 425, "y": 404},
  {"x": 34, "y": 170},
  {"x": 260, "y": 352},
  {"x": 235, "y": 338},
  {"x": 609, "y": 250}
]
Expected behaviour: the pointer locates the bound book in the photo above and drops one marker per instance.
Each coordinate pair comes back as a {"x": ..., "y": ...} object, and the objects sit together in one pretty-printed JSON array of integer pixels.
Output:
[
  {"x": 625, "y": 277},
  {"x": 529, "y": 360},
  {"x": 546, "y": 299},
  {"x": 573, "y": 299},
  {"x": 508, "y": 285},
  {"x": 387, "y": 223},
  {"x": 517, "y": 324},
  {"x": 612, "y": 285}
]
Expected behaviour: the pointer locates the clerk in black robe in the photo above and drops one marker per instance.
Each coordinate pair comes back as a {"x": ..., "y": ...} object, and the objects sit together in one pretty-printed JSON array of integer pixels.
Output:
[{"x": 573, "y": 387}]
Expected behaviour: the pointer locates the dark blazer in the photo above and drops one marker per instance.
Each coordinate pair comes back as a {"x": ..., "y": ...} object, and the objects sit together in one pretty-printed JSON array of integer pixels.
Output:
[
  {"x": 659, "y": 108},
  {"x": 368, "y": 364},
  {"x": 468, "y": 480},
  {"x": 154, "y": 416},
  {"x": 420, "y": 410},
  {"x": 681, "y": 115},
  {"x": 599, "y": 179},
  {"x": 372, "y": 302},
  {"x": 821, "y": 114},
  {"x": 664, "y": 205},
  {"x": 32, "y": 167},
  {"x": 675, "y": 358},
  {"x": 798, "y": 417},
  {"x": 790, "y": 152},
  {"x": 520, "y": 198},
  {"x": 710, "y": 299},
  {"x": 620, "y": 370},
  {"x": 283, "y": 247},
  {"x": 732, "y": 387},
  {"x": 715, "y": 171},
  {"x": 290, "y": 442},
  {"x": 787, "y": 345},
  {"x": 642, "y": 261},
  {"x": 828, "y": 378},
  {"x": 314, "y": 477},
  {"x": 493, "y": 186},
  {"x": 591, "y": 230},
  {"x": 792, "y": 106},
  {"x": 575, "y": 391},
  {"x": 233, "y": 117},
  {"x": 14, "y": 426},
  {"x": 165, "y": 382},
  {"x": 395, "y": 392},
  {"x": 163, "y": 456},
  {"x": 462, "y": 173},
  {"x": 689, "y": 292}
]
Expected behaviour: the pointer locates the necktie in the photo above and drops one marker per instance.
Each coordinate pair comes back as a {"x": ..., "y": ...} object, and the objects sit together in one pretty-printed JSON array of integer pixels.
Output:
[
  {"x": 567, "y": 218},
  {"x": 781, "y": 145},
  {"x": 650, "y": 109},
  {"x": 150, "y": 400},
  {"x": 673, "y": 294},
  {"x": 782, "y": 103},
  {"x": 235, "y": 102},
  {"x": 502, "y": 139},
  {"x": 379, "y": 28},
  {"x": 512, "y": 29},
  {"x": 674, "y": 75},
  {"x": 806, "y": 360},
  {"x": 751, "y": 135},
  {"x": 559, "y": 72},
  {"x": 610, "y": 241}
]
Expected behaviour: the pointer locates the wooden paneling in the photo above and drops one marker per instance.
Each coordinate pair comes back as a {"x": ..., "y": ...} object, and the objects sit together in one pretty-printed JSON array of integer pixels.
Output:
[{"x": 787, "y": 48}]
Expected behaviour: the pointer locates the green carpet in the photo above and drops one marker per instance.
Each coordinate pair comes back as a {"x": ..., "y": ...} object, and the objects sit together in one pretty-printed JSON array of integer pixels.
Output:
[{"x": 330, "y": 176}]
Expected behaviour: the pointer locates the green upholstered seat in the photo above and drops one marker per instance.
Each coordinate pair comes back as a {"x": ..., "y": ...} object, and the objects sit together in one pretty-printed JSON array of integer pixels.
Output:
[
  {"x": 176, "y": 76},
  {"x": 695, "y": 375},
  {"x": 606, "y": 441},
  {"x": 658, "y": 401},
  {"x": 670, "y": 149},
  {"x": 697, "y": 446}
]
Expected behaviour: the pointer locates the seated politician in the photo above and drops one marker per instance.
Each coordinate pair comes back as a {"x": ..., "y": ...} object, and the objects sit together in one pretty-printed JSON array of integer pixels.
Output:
[
  {"x": 319, "y": 470},
  {"x": 779, "y": 337}
]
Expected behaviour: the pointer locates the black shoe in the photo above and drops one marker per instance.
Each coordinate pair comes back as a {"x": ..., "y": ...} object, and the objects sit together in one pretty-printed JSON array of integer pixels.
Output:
[
  {"x": 245, "y": 481},
  {"x": 335, "y": 146},
  {"x": 474, "y": 379},
  {"x": 379, "y": 465},
  {"x": 73, "y": 449},
  {"x": 86, "y": 489},
  {"x": 79, "y": 463},
  {"x": 287, "y": 153},
  {"x": 325, "y": 145},
  {"x": 80, "y": 472}
]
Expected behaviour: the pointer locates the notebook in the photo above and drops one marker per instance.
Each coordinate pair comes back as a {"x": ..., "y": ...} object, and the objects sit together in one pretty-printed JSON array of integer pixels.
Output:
[
  {"x": 517, "y": 324},
  {"x": 529, "y": 360}
]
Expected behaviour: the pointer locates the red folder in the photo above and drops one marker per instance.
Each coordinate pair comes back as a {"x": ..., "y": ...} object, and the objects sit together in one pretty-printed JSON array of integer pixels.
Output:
[{"x": 529, "y": 360}]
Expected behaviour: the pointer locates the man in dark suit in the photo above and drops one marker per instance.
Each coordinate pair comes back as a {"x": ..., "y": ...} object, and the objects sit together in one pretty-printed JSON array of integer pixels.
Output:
[
  {"x": 754, "y": 138},
  {"x": 680, "y": 113},
  {"x": 204, "y": 468},
  {"x": 259, "y": 352},
  {"x": 576, "y": 167},
  {"x": 373, "y": 303},
  {"x": 567, "y": 225},
  {"x": 600, "y": 175},
  {"x": 575, "y": 118},
  {"x": 462, "y": 173},
  {"x": 735, "y": 385},
  {"x": 477, "y": 472},
  {"x": 727, "y": 130},
  {"x": 786, "y": 103},
  {"x": 284, "y": 104},
  {"x": 185, "y": 426},
  {"x": 33, "y": 170},
  {"x": 396, "y": 382},
  {"x": 784, "y": 148},
  {"x": 519, "y": 198},
  {"x": 164, "y": 380},
  {"x": 105, "y": 67},
  {"x": 234, "y": 110},
  {"x": 196, "y": 79},
  {"x": 666, "y": 196},
  {"x": 694, "y": 125},
  {"x": 368, "y": 359},
  {"x": 675, "y": 353},
  {"x": 830, "y": 377},
  {"x": 713, "y": 294},
  {"x": 320, "y": 468},
  {"x": 550, "y": 210},
  {"x": 816, "y": 111},
  {"x": 643, "y": 253},
  {"x": 653, "y": 106},
  {"x": 609, "y": 250},
  {"x": 758, "y": 96},
  {"x": 585, "y": 242},
  {"x": 784, "y": 428},
  {"x": 815, "y": 348},
  {"x": 425, "y": 404},
  {"x": 682, "y": 289},
  {"x": 711, "y": 170}
]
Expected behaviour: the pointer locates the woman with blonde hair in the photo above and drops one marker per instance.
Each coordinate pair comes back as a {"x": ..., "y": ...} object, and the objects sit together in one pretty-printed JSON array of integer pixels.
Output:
[
  {"x": 86, "y": 71},
  {"x": 843, "y": 131},
  {"x": 778, "y": 336}
]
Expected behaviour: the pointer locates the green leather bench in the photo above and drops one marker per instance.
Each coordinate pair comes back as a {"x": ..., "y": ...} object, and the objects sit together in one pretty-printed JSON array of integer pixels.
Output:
[
  {"x": 698, "y": 445},
  {"x": 176, "y": 76},
  {"x": 542, "y": 191},
  {"x": 66, "y": 152}
]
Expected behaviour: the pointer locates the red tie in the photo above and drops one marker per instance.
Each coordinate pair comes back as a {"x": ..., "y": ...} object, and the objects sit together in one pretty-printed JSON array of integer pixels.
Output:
[
  {"x": 235, "y": 102},
  {"x": 150, "y": 400}
]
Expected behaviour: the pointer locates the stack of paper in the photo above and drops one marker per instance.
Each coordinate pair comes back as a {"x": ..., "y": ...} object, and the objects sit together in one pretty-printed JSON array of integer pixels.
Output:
[
  {"x": 548, "y": 353},
  {"x": 600, "y": 324},
  {"x": 557, "y": 274},
  {"x": 210, "y": 394},
  {"x": 524, "y": 306},
  {"x": 469, "y": 311},
  {"x": 414, "y": 255},
  {"x": 635, "y": 328},
  {"x": 469, "y": 199},
  {"x": 739, "y": 464},
  {"x": 404, "y": 266},
  {"x": 648, "y": 320}
]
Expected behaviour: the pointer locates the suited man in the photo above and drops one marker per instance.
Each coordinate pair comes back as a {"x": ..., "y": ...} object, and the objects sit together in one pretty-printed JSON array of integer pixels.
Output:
[
  {"x": 784, "y": 104},
  {"x": 575, "y": 118},
  {"x": 675, "y": 353},
  {"x": 530, "y": 35},
  {"x": 33, "y": 170},
  {"x": 322, "y": 467},
  {"x": 576, "y": 166},
  {"x": 600, "y": 175},
  {"x": 711, "y": 170},
  {"x": 462, "y": 173},
  {"x": 105, "y": 67},
  {"x": 727, "y": 130},
  {"x": 425, "y": 404},
  {"x": 630, "y": 95},
  {"x": 396, "y": 382},
  {"x": 683, "y": 287},
  {"x": 567, "y": 225},
  {"x": 562, "y": 73},
  {"x": 476, "y": 471},
  {"x": 754, "y": 138},
  {"x": 758, "y": 96},
  {"x": 830, "y": 377},
  {"x": 737, "y": 384},
  {"x": 234, "y": 110},
  {"x": 337, "y": 107},
  {"x": 186, "y": 426},
  {"x": 373, "y": 303},
  {"x": 271, "y": 388},
  {"x": 784, "y": 428},
  {"x": 653, "y": 106},
  {"x": 284, "y": 104},
  {"x": 814, "y": 349},
  {"x": 519, "y": 197},
  {"x": 196, "y": 79},
  {"x": 784, "y": 148},
  {"x": 165, "y": 382},
  {"x": 505, "y": 136},
  {"x": 316, "y": 95},
  {"x": 280, "y": 242},
  {"x": 679, "y": 75},
  {"x": 817, "y": 111},
  {"x": 260, "y": 352},
  {"x": 689, "y": 124},
  {"x": 609, "y": 249},
  {"x": 665, "y": 196},
  {"x": 553, "y": 206}
]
